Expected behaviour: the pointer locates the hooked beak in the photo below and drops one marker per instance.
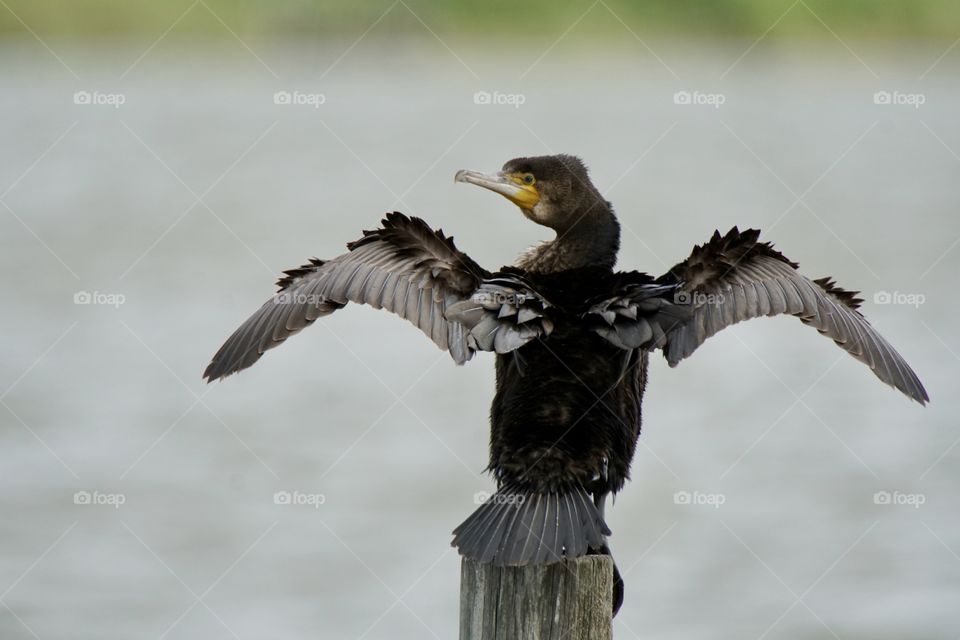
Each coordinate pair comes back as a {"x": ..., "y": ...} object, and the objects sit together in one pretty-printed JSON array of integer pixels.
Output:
[{"x": 512, "y": 188}]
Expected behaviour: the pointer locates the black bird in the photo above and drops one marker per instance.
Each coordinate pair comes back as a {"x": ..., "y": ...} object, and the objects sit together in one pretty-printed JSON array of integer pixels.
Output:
[{"x": 572, "y": 338}]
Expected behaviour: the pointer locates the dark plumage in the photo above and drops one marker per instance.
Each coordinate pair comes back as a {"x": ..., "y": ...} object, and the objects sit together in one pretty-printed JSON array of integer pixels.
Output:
[{"x": 572, "y": 339}]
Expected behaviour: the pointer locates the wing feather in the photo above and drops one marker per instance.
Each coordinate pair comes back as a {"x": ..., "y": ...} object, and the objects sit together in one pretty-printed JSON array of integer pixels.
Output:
[
  {"x": 404, "y": 266},
  {"x": 735, "y": 277}
]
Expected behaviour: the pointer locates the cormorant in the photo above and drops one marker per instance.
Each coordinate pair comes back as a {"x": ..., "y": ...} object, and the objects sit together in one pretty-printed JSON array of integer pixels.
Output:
[{"x": 572, "y": 338}]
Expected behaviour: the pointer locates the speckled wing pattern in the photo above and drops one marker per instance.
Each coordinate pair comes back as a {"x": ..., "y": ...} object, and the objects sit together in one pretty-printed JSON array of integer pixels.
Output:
[
  {"x": 735, "y": 277},
  {"x": 404, "y": 267}
]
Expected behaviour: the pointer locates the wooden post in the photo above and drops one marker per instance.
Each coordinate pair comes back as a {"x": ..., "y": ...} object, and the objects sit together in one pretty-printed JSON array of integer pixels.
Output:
[{"x": 569, "y": 600}]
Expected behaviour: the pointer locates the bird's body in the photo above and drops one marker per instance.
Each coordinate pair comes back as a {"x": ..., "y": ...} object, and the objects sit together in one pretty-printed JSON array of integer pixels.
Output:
[
  {"x": 568, "y": 410},
  {"x": 568, "y": 406},
  {"x": 572, "y": 339}
]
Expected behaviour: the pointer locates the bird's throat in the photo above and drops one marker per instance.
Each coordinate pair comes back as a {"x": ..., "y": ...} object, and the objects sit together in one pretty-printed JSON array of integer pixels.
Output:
[{"x": 592, "y": 241}]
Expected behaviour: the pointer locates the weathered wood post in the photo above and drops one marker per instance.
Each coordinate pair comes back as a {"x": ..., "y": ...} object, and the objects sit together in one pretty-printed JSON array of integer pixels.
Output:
[{"x": 569, "y": 600}]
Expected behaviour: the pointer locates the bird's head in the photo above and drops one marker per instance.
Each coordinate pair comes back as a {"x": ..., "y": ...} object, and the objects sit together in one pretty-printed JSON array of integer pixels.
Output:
[{"x": 554, "y": 191}]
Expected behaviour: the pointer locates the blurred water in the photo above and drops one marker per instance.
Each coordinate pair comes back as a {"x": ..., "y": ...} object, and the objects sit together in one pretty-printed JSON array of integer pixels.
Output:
[{"x": 363, "y": 410}]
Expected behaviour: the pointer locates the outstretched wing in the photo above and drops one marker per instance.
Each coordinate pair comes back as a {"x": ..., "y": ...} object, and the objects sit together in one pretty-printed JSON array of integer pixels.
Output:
[
  {"x": 404, "y": 267},
  {"x": 735, "y": 277}
]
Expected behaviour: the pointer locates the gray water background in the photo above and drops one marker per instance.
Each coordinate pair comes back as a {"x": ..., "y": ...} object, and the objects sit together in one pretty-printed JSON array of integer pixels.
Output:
[{"x": 795, "y": 436}]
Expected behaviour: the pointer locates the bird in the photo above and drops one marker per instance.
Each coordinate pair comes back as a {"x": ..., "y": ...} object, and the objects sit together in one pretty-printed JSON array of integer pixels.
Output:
[{"x": 572, "y": 338}]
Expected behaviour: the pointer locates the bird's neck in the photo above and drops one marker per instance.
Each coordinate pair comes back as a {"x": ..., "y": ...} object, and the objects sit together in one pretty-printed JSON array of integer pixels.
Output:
[{"x": 593, "y": 240}]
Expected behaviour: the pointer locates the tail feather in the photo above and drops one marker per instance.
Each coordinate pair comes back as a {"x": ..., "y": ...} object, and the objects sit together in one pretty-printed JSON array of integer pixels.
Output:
[
  {"x": 492, "y": 537},
  {"x": 478, "y": 522},
  {"x": 518, "y": 526},
  {"x": 551, "y": 534}
]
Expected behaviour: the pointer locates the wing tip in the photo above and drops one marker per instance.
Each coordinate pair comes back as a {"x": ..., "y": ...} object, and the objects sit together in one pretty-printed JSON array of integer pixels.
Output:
[
  {"x": 215, "y": 371},
  {"x": 918, "y": 394}
]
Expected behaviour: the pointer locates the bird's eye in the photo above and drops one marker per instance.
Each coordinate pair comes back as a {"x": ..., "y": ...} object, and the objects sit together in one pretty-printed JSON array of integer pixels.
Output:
[{"x": 528, "y": 178}]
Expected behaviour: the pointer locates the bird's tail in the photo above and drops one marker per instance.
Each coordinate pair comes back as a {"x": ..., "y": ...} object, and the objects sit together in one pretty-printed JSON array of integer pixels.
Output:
[{"x": 519, "y": 526}]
